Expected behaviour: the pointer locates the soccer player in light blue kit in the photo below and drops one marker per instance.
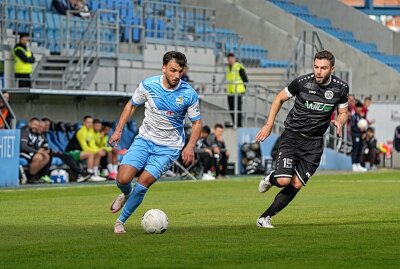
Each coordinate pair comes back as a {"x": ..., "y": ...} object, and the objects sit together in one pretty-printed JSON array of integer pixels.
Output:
[{"x": 161, "y": 137}]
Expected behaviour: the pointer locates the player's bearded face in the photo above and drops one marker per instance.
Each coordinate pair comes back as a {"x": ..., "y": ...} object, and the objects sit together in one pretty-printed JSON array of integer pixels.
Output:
[
  {"x": 322, "y": 70},
  {"x": 172, "y": 73}
]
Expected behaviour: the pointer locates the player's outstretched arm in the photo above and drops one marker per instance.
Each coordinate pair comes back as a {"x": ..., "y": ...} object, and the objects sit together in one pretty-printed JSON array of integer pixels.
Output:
[
  {"x": 265, "y": 131},
  {"x": 188, "y": 151},
  {"x": 341, "y": 120},
  {"x": 126, "y": 114}
]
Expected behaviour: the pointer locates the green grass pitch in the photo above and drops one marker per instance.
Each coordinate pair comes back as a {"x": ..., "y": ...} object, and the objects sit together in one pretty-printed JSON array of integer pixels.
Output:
[{"x": 337, "y": 221}]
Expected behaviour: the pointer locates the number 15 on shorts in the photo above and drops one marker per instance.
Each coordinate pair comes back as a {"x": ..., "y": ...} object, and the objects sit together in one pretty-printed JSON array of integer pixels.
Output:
[{"x": 287, "y": 163}]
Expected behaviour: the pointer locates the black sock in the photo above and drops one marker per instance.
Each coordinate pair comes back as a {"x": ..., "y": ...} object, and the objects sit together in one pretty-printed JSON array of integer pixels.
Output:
[{"x": 282, "y": 199}]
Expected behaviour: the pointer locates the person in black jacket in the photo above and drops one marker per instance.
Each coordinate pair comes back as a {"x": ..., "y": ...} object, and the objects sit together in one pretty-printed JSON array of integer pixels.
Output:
[
  {"x": 204, "y": 150},
  {"x": 370, "y": 153},
  {"x": 220, "y": 151},
  {"x": 35, "y": 149}
]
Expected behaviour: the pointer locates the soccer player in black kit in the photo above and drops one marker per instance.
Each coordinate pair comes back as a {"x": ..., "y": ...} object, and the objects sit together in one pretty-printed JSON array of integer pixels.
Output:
[{"x": 318, "y": 95}]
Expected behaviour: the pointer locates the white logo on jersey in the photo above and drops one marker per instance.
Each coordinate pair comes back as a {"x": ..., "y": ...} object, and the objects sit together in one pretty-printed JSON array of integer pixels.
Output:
[{"x": 328, "y": 95}]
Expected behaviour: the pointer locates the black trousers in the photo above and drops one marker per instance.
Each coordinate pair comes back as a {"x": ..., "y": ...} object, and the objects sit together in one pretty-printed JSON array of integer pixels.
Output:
[
  {"x": 206, "y": 160},
  {"x": 231, "y": 104},
  {"x": 356, "y": 149},
  {"x": 24, "y": 80},
  {"x": 68, "y": 160},
  {"x": 222, "y": 165}
]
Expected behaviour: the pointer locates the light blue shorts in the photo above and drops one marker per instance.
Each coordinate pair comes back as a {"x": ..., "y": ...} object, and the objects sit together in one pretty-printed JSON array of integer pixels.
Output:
[{"x": 145, "y": 155}]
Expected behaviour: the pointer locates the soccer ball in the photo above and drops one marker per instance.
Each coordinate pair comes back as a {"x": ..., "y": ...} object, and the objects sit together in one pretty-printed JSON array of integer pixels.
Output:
[
  {"x": 362, "y": 124},
  {"x": 155, "y": 221}
]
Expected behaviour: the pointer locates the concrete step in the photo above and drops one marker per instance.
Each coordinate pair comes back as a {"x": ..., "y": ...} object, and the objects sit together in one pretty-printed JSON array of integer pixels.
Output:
[
  {"x": 54, "y": 65},
  {"x": 50, "y": 72},
  {"x": 268, "y": 77}
]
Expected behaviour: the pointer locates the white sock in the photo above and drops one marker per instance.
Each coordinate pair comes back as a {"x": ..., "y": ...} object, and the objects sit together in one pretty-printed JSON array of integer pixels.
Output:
[
  {"x": 90, "y": 170},
  {"x": 115, "y": 168},
  {"x": 96, "y": 170},
  {"x": 110, "y": 168}
]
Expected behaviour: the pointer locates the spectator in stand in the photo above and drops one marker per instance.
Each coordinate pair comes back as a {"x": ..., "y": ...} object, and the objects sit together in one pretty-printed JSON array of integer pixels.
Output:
[
  {"x": 82, "y": 146},
  {"x": 204, "y": 150},
  {"x": 236, "y": 78},
  {"x": 356, "y": 136},
  {"x": 5, "y": 115},
  {"x": 34, "y": 149},
  {"x": 24, "y": 60},
  {"x": 62, "y": 6},
  {"x": 364, "y": 111},
  {"x": 110, "y": 159},
  {"x": 370, "y": 152},
  {"x": 220, "y": 151}
]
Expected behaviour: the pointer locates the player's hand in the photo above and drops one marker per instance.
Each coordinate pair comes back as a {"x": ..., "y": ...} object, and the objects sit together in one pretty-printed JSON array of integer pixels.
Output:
[
  {"x": 339, "y": 128},
  {"x": 188, "y": 155},
  {"x": 114, "y": 139},
  {"x": 263, "y": 133}
]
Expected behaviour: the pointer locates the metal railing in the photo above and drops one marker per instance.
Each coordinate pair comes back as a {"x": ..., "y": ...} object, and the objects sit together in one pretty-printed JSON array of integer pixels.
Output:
[
  {"x": 178, "y": 24},
  {"x": 94, "y": 41},
  {"x": 302, "y": 57}
]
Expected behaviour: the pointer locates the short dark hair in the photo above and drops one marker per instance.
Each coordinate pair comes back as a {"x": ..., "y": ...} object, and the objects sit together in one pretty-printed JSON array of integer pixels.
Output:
[
  {"x": 367, "y": 98},
  {"x": 107, "y": 124},
  {"x": 46, "y": 119},
  {"x": 179, "y": 58},
  {"x": 206, "y": 129},
  {"x": 324, "y": 54},
  {"x": 23, "y": 35},
  {"x": 359, "y": 104},
  {"x": 33, "y": 118},
  {"x": 371, "y": 129},
  {"x": 218, "y": 125},
  {"x": 230, "y": 54},
  {"x": 87, "y": 117},
  {"x": 95, "y": 121},
  {"x": 4, "y": 91}
]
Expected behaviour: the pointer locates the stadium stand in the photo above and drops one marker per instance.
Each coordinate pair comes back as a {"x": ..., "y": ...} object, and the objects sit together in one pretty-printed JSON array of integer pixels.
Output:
[
  {"x": 345, "y": 36},
  {"x": 164, "y": 21}
]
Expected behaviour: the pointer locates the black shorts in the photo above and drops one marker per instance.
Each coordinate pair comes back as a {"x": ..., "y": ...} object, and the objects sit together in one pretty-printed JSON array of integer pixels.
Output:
[{"x": 298, "y": 154}]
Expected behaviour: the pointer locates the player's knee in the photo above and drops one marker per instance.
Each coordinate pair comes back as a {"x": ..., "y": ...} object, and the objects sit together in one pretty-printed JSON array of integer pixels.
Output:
[
  {"x": 297, "y": 184},
  {"x": 38, "y": 157},
  {"x": 283, "y": 181},
  {"x": 125, "y": 175}
]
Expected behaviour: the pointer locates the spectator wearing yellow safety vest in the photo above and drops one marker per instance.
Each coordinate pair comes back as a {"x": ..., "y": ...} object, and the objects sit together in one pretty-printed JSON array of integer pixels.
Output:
[
  {"x": 23, "y": 62},
  {"x": 235, "y": 78}
]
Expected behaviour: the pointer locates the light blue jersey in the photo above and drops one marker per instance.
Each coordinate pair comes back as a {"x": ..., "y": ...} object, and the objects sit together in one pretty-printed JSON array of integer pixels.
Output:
[{"x": 165, "y": 111}]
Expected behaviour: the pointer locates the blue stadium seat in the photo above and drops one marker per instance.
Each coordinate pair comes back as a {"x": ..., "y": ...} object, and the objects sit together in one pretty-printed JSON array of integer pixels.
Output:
[
  {"x": 54, "y": 144},
  {"x": 23, "y": 162},
  {"x": 62, "y": 139},
  {"x": 21, "y": 123},
  {"x": 56, "y": 161},
  {"x": 149, "y": 27},
  {"x": 344, "y": 36}
]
